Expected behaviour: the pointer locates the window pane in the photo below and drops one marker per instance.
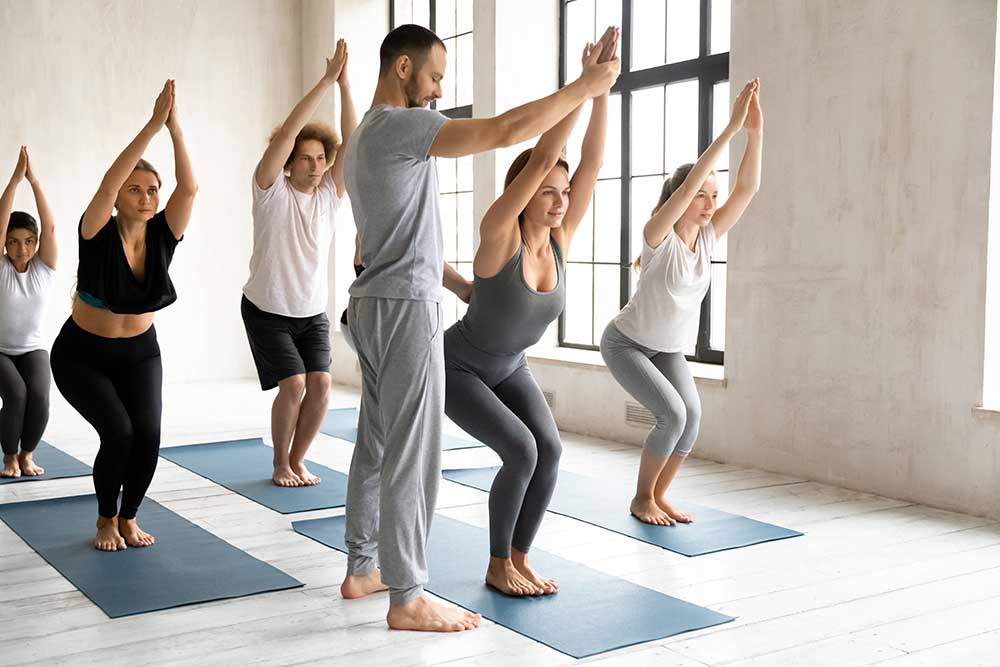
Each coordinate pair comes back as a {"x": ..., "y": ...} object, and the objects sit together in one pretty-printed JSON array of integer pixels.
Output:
[
  {"x": 463, "y": 71},
  {"x": 582, "y": 248},
  {"x": 683, "y": 30},
  {"x": 579, "y": 31},
  {"x": 447, "y": 100},
  {"x": 722, "y": 180},
  {"x": 647, "y": 131},
  {"x": 720, "y": 26},
  {"x": 446, "y": 174},
  {"x": 721, "y": 251},
  {"x": 448, "y": 205},
  {"x": 649, "y": 19},
  {"x": 606, "y": 301},
  {"x": 445, "y": 17},
  {"x": 717, "y": 336},
  {"x": 465, "y": 268},
  {"x": 645, "y": 193},
  {"x": 681, "y": 143},
  {"x": 612, "y": 167},
  {"x": 608, "y": 221},
  {"x": 464, "y": 175},
  {"x": 465, "y": 224},
  {"x": 608, "y": 13},
  {"x": 465, "y": 15},
  {"x": 720, "y": 117},
  {"x": 579, "y": 307},
  {"x": 412, "y": 11}
]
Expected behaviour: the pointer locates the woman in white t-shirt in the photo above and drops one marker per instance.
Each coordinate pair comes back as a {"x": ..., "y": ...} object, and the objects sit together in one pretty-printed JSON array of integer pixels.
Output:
[
  {"x": 643, "y": 346},
  {"x": 25, "y": 283}
]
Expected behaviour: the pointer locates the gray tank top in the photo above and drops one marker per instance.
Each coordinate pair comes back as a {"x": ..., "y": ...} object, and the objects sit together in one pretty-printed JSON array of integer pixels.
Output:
[{"x": 505, "y": 315}]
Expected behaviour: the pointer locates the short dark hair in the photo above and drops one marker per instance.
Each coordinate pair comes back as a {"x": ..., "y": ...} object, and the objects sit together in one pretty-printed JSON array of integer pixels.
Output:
[
  {"x": 22, "y": 220},
  {"x": 407, "y": 40}
]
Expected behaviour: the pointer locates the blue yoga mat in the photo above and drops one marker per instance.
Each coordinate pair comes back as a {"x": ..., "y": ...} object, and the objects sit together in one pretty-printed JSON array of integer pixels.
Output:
[
  {"x": 186, "y": 564},
  {"x": 245, "y": 466},
  {"x": 605, "y": 504},
  {"x": 343, "y": 423},
  {"x": 592, "y": 613},
  {"x": 57, "y": 464}
]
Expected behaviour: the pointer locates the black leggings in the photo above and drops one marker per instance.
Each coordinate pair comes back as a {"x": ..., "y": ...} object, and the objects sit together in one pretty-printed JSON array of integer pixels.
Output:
[
  {"x": 24, "y": 389},
  {"x": 116, "y": 384}
]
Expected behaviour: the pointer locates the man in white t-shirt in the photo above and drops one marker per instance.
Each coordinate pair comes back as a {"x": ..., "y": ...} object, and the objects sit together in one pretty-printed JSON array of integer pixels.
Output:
[{"x": 296, "y": 193}]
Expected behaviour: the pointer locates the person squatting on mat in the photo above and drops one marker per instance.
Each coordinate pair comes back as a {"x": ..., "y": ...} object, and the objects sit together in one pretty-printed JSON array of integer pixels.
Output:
[
  {"x": 643, "y": 346},
  {"x": 518, "y": 290},
  {"x": 106, "y": 359},
  {"x": 395, "y": 316},
  {"x": 298, "y": 186},
  {"x": 26, "y": 273}
]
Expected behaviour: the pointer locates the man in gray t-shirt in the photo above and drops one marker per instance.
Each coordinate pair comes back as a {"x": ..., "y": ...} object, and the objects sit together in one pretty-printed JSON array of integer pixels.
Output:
[{"x": 395, "y": 314}]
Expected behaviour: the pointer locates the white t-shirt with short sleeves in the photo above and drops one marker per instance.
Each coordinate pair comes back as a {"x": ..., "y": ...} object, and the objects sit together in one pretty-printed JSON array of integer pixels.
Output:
[{"x": 23, "y": 297}]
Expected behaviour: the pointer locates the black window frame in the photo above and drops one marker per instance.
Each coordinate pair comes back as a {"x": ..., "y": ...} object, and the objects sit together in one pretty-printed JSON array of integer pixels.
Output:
[{"x": 709, "y": 69}]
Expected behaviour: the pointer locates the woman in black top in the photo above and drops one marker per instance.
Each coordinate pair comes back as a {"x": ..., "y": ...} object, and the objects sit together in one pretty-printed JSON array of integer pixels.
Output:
[{"x": 106, "y": 360}]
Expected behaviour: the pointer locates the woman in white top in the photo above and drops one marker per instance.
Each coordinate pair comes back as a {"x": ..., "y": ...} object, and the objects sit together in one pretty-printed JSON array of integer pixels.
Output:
[
  {"x": 644, "y": 345},
  {"x": 25, "y": 283}
]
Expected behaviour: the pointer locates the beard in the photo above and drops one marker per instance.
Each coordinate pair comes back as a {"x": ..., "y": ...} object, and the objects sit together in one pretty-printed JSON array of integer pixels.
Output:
[{"x": 412, "y": 95}]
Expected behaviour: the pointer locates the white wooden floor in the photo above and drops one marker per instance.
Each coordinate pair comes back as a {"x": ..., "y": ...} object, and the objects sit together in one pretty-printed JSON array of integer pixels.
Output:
[{"x": 874, "y": 581}]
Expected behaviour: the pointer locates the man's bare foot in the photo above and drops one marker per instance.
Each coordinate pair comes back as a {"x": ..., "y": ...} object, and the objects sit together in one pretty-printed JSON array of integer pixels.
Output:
[
  {"x": 308, "y": 479},
  {"x": 674, "y": 513},
  {"x": 108, "y": 538},
  {"x": 29, "y": 467},
  {"x": 503, "y": 576},
  {"x": 10, "y": 466},
  {"x": 647, "y": 511},
  {"x": 133, "y": 535},
  {"x": 422, "y": 614},
  {"x": 283, "y": 476},
  {"x": 520, "y": 561},
  {"x": 358, "y": 587}
]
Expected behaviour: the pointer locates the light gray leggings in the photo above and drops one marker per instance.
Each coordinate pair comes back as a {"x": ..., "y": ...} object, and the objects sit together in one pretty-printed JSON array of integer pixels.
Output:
[{"x": 662, "y": 383}]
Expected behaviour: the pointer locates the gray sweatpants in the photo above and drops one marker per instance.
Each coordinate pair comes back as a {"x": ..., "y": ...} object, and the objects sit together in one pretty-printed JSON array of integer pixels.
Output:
[
  {"x": 662, "y": 383},
  {"x": 393, "y": 483}
]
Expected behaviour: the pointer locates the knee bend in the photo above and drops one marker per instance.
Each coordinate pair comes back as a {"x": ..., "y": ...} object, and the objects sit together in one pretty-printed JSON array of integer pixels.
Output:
[
  {"x": 117, "y": 436},
  {"x": 15, "y": 397},
  {"x": 671, "y": 422},
  {"x": 318, "y": 385},
  {"x": 521, "y": 456},
  {"x": 693, "y": 416},
  {"x": 292, "y": 387},
  {"x": 549, "y": 452}
]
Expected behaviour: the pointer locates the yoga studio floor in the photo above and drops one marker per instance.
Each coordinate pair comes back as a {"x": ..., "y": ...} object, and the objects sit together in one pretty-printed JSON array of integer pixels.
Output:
[{"x": 873, "y": 581}]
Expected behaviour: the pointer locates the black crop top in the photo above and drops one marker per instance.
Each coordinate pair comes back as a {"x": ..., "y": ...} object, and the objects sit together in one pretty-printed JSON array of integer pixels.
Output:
[{"x": 104, "y": 273}]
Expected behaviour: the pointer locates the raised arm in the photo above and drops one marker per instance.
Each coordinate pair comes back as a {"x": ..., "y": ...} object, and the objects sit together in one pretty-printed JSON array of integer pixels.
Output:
[
  {"x": 664, "y": 217},
  {"x": 748, "y": 177},
  {"x": 181, "y": 202},
  {"x": 456, "y": 283},
  {"x": 272, "y": 164},
  {"x": 102, "y": 205},
  {"x": 48, "y": 249},
  {"x": 7, "y": 198},
  {"x": 458, "y": 138},
  {"x": 348, "y": 122}
]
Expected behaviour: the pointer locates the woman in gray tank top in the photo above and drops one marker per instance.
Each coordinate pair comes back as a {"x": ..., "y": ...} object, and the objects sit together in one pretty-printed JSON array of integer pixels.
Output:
[{"x": 518, "y": 290}]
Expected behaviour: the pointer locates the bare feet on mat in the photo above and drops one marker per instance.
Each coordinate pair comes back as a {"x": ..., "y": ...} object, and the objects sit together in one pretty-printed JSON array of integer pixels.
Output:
[
  {"x": 422, "y": 614},
  {"x": 520, "y": 560},
  {"x": 308, "y": 479},
  {"x": 132, "y": 534},
  {"x": 28, "y": 466},
  {"x": 503, "y": 576},
  {"x": 108, "y": 538},
  {"x": 647, "y": 511},
  {"x": 358, "y": 587},
  {"x": 673, "y": 512},
  {"x": 283, "y": 476},
  {"x": 11, "y": 468}
]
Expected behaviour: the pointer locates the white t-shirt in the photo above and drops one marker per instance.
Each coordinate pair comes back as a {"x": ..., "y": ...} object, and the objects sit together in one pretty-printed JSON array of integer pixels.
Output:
[
  {"x": 23, "y": 297},
  {"x": 663, "y": 313},
  {"x": 292, "y": 232}
]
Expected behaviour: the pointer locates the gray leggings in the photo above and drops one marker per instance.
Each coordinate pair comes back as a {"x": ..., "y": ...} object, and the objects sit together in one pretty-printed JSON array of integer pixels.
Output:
[
  {"x": 663, "y": 384},
  {"x": 24, "y": 389},
  {"x": 495, "y": 399}
]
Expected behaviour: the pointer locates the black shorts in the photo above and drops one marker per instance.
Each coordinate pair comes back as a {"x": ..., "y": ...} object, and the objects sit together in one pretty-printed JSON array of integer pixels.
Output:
[{"x": 285, "y": 346}]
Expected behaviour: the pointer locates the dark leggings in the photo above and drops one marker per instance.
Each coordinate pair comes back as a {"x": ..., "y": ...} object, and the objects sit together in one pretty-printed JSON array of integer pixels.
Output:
[
  {"x": 116, "y": 384},
  {"x": 24, "y": 390}
]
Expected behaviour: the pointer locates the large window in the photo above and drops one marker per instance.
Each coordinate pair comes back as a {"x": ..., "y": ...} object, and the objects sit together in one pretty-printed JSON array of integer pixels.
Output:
[
  {"x": 451, "y": 20},
  {"x": 671, "y": 99}
]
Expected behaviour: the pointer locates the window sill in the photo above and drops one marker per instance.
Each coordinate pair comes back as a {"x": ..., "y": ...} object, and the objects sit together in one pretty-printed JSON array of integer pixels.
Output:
[
  {"x": 984, "y": 412},
  {"x": 710, "y": 374}
]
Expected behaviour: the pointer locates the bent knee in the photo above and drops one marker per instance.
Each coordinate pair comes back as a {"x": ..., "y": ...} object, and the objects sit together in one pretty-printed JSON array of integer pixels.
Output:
[
  {"x": 318, "y": 384},
  {"x": 293, "y": 385}
]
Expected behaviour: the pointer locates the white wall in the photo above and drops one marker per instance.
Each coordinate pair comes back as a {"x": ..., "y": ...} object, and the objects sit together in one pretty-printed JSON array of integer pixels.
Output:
[{"x": 79, "y": 80}]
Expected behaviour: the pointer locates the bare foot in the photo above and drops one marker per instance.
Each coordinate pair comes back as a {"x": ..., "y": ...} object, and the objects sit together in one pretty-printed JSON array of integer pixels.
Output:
[
  {"x": 358, "y": 587},
  {"x": 503, "y": 576},
  {"x": 520, "y": 560},
  {"x": 10, "y": 466},
  {"x": 422, "y": 614},
  {"x": 647, "y": 511},
  {"x": 29, "y": 467},
  {"x": 674, "y": 513},
  {"x": 108, "y": 538},
  {"x": 133, "y": 535},
  {"x": 308, "y": 479},
  {"x": 283, "y": 476}
]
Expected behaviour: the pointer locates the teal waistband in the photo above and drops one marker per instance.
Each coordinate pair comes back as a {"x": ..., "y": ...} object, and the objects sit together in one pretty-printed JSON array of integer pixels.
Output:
[{"x": 91, "y": 300}]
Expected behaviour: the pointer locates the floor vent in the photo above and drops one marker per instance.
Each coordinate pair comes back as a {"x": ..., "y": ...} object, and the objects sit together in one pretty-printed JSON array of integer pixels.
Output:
[
  {"x": 550, "y": 398},
  {"x": 636, "y": 415}
]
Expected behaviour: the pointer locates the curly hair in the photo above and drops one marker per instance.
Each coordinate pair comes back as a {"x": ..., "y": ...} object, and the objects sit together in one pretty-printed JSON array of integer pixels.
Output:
[{"x": 320, "y": 132}]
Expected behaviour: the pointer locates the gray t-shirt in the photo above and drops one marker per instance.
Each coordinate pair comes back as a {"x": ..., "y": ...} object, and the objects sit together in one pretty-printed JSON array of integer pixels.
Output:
[{"x": 393, "y": 185}]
